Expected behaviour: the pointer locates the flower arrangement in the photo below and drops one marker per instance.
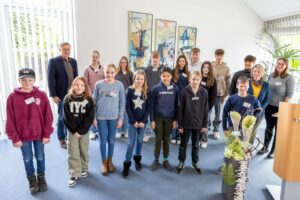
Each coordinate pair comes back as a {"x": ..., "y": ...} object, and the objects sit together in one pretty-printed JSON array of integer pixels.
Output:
[{"x": 237, "y": 155}]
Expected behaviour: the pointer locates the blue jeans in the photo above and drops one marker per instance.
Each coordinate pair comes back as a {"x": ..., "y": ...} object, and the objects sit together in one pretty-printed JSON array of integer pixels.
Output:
[
  {"x": 28, "y": 157},
  {"x": 124, "y": 127},
  {"x": 107, "y": 132},
  {"x": 94, "y": 129},
  {"x": 61, "y": 130},
  {"x": 175, "y": 134},
  {"x": 148, "y": 130},
  {"x": 135, "y": 136}
]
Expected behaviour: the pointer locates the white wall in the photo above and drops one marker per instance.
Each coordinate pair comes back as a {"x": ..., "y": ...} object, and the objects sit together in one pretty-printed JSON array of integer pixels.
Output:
[{"x": 229, "y": 24}]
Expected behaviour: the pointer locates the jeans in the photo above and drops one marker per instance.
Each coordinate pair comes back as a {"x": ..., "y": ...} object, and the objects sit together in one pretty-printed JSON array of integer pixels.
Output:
[
  {"x": 218, "y": 106},
  {"x": 39, "y": 155},
  {"x": 61, "y": 130},
  {"x": 107, "y": 132},
  {"x": 124, "y": 127},
  {"x": 135, "y": 136},
  {"x": 175, "y": 134},
  {"x": 195, "y": 134}
]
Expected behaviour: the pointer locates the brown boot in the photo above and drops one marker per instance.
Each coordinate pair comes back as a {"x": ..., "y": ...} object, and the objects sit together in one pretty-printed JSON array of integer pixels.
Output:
[
  {"x": 104, "y": 167},
  {"x": 110, "y": 165}
]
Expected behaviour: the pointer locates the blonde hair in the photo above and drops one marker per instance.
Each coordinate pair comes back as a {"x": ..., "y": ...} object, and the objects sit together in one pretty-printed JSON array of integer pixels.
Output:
[
  {"x": 261, "y": 68},
  {"x": 86, "y": 93},
  {"x": 196, "y": 73},
  {"x": 145, "y": 86},
  {"x": 128, "y": 70},
  {"x": 111, "y": 65}
]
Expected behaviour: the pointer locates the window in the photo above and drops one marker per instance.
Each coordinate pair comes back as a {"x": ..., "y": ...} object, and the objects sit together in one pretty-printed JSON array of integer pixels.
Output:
[{"x": 32, "y": 31}]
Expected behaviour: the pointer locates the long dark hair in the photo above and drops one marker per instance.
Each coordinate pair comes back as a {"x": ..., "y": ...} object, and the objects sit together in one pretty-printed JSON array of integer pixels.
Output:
[
  {"x": 185, "y": 68},
  {"x": 210, "y": 76}
]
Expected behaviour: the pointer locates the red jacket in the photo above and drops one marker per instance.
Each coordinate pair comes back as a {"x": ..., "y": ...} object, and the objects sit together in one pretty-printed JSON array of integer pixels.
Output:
[{"x": 29, "y": 116}]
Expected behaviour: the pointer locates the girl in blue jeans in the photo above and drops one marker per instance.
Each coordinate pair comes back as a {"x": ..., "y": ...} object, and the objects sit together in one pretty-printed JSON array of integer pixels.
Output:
[
  {"x": 109, "y": 98},
  {"x": 137, "y": 107}
]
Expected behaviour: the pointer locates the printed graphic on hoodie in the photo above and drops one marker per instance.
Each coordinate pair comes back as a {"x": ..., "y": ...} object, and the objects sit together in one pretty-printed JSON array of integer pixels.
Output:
[{"x": 78, "y": 107}]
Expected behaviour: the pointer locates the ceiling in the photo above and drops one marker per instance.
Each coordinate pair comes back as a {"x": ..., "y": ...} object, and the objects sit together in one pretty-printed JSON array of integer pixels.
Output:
[{"x": 272, "y": 9}]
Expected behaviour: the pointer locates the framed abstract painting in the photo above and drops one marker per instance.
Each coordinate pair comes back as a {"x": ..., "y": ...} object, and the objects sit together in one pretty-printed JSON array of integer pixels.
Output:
[
  {"x": 140, "y": 39},
  {"x": 186, "y": 40},
  {"x": 165, "y": 40}
]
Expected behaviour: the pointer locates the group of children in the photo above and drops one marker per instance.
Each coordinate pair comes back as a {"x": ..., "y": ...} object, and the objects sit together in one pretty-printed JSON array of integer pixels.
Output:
[{"x": 175, "y": 101}]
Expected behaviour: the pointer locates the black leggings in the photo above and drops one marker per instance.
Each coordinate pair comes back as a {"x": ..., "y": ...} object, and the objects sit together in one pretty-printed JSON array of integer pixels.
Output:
[{"x": 271, "y": 124}]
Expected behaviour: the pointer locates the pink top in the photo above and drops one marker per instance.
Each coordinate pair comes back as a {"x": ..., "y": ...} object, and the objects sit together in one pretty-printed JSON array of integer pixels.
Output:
[{"x": 93, "y": 76}]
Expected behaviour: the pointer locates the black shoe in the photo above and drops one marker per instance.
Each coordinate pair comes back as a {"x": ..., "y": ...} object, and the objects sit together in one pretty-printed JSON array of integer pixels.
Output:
[
  {"x": 263, "y": 150},
  {"x": 42, "y": 182},
  {"x": 180, "y": 167},
  {"x": 155, "y": 165},
  {"x": 73, "y": 181},
  {"x": 137, "y": 161},
  {"x": 125, "y": 172},
  {"x": 33, "y": 185},
  {"x": 196, "y": 167},
  {"x": 270, "y": 155},
  {"x": 167, "y": 165}
]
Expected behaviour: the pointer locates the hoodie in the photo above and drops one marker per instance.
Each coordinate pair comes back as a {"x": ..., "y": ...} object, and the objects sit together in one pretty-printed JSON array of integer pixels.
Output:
[
  {"x": 78, "y": 113},
  {"x": 29, "y": 116}
]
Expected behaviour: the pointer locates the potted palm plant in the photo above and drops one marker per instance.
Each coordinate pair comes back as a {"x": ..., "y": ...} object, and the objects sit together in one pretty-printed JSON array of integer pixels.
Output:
[{"x": 275, "y": 48}]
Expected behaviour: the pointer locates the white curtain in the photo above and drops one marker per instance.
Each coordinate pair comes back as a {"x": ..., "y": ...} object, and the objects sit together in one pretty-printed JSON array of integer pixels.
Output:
[{"x": 31, "y": 31}]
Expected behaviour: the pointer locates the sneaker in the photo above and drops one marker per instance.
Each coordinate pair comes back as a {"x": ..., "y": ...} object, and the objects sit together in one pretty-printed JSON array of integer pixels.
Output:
[
  {"x": 126, "y": 135},
  {"x": 118, "y": 135},
  {"x": 73, "y": 181},
  {"x": 203, "y": 145},
  {"x": 180, "y": 167},
  {"x": 84, "y": 174},
  {"x": 93, "y": 136},
  {"x": 270, "y": 155},
  {"x": 146, "y": 138},
  {"x": 63, "y": 144},
  {"x": 196, "y": 167},
  {"x": 178, "y": 142},
  {"x": 167, "y": 165},
  {"x": 219, "y": 171},
  {"x": 155, "y": 165},
  {"x": 216, "y": 135},
  {"x": 173, "y": 141},
  {"x": 263, "y": 150}
]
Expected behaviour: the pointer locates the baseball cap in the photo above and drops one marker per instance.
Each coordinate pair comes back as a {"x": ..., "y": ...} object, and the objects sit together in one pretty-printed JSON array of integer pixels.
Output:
[{"x": 26, "y": 72}]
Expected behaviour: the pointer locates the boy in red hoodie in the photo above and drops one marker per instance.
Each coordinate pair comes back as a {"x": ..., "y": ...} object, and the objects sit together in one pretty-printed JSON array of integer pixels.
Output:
[{"x": 29, "y": 124}]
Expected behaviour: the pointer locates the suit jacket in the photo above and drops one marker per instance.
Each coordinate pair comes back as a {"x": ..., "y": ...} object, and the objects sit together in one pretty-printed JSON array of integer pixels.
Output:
[{"x": 58, "y": 78}]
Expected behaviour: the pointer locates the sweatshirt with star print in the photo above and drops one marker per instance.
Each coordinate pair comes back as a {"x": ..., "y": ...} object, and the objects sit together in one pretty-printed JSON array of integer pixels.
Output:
[{"x": 137, "y": 106}]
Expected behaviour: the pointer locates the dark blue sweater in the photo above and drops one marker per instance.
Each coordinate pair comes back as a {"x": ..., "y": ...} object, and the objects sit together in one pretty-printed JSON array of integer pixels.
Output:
[
  {"x": 243, "y": 105},
  {"x": 164, "y": 101},
  {"x": 182, "y": 81},
  {"x": 137, "y": 107}
]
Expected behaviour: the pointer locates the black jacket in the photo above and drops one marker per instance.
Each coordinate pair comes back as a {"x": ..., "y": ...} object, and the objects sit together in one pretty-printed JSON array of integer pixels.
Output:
[
  {"x": 193, "y": 109},
  {"x": 244, "y": 72},
  {"x": 211, "y": 91},
  {"x": 78, "y": 114}
]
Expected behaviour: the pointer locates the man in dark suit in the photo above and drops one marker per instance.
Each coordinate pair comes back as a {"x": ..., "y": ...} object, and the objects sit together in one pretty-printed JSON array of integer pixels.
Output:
[{"x": 61, "y": 72}]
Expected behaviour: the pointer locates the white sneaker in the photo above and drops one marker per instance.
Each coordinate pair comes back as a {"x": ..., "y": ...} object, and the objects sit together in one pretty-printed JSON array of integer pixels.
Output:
[
  {"x": 84, "y": 174},
  {"x": 203, "y": 145},
  {"x": 173, "y": 141},
  {"x": 118, "y": 135},
  {"x": 216, "y": 135},
  {"x": 178, "y": 141},
  {"x": 146, "y": 138},
  {"x": 72, "y": 181},
  {"x": 126, "y": 135},
  {"x": 93, "y": 136}
]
